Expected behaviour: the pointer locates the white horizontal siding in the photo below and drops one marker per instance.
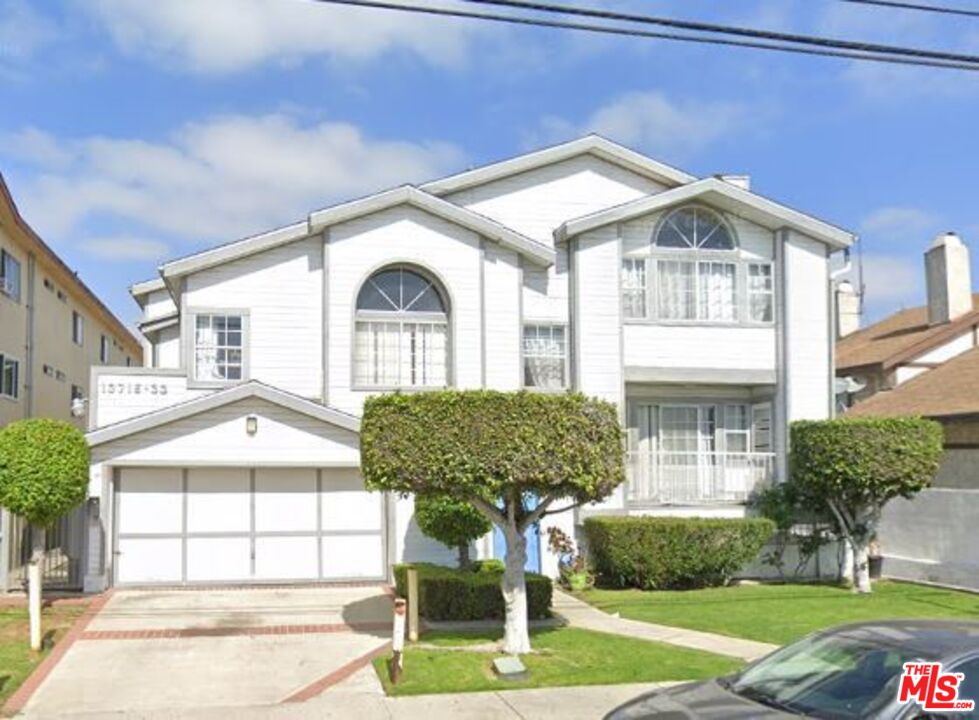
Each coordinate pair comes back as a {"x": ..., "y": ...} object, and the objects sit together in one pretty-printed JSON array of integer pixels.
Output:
[
  {"x": 158, "y": 304},
  {"x": 536, "y": 202},
  {"x": 218, "y": 436},
  {"x": 599, "y": 322},
  {"x": 168, "y": 348},
  {"x": 703, "y": 346},
  {"x": 402, "y": 235},
  {"x": 501, "y": 292},
  {"x": 282, "y": 290},
  {"x": 807, "y": 328},
  {"x": 948, "y": 350},
  {"x": 545, "y": 292}
]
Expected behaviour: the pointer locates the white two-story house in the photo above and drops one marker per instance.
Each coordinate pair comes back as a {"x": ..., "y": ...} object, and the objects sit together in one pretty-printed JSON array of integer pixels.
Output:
[{"x": 700, "y": 308}]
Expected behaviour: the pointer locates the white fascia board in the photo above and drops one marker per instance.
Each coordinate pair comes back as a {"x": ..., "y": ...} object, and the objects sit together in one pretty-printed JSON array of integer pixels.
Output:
[
  {"x": 409, "y": 195},
  {"x": 765, "y": 211},
  {"x": 217, "y": 399},
  {"x": 159, "y": 323},
  {"x": 140, "y": 291},
  {"x": 232, "y": 251},
  {"x": 591, "y": 144}
]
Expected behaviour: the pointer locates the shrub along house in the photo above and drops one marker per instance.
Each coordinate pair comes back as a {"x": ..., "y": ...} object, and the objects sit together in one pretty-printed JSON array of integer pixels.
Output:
[{"x": 700, "y": 308}]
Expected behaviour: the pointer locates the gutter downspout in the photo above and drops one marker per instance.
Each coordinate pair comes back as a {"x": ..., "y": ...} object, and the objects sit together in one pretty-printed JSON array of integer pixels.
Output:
[{"x": 834, "y": 278}]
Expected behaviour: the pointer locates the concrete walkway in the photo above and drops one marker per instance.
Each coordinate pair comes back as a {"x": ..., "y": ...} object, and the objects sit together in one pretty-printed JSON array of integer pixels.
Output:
[{"x": 580, "y": 614}]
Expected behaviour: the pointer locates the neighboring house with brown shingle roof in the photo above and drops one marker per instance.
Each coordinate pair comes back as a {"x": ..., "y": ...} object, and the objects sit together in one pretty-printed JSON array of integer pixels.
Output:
[{"x": 925, "y": 362}]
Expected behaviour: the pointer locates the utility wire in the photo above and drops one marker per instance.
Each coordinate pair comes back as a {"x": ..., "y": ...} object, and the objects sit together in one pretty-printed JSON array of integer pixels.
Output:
[
  {"x": 633, "y": 32},
  {"x": 698, "y": 26},
  {"x": 896, "y": 4}
]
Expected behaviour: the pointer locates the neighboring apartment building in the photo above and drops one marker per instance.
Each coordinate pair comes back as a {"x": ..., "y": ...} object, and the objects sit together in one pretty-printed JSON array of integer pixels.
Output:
[
  {"x": 701, "y": 309},
  {"x": 53, "y": 330},
  {"x": 924, "y": 361}
]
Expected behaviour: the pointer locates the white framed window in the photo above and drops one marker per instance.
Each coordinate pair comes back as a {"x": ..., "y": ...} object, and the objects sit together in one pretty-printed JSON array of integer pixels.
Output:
[
  {"x": 545, "y": 357},
  {"x": 401, "y": 331},
  {"x": 737, "y": 429},
  {"x": 634, "y": 288},
  {"x": 9, "y": 276},
  {"x": 77, "y": 328},
  {"x": 761, "y": 292},
  {"x": 689, "y": 290},
  {"x": 9, "y": 377},
  {"x": 104, "y": 350},
  {"x": 694, "y": 228},
  {"x": 219, "y": 347}
]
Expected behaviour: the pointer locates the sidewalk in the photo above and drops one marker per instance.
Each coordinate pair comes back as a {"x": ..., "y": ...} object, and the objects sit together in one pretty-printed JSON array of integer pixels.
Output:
[{"x": 581, "y": 614}]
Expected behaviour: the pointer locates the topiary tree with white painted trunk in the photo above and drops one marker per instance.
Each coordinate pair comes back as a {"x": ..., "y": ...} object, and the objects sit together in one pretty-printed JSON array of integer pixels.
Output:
[
  {"x": 856, "y": 465},
  {"x": 43, "y": 475},
  {"x": 512, "y": 456}
]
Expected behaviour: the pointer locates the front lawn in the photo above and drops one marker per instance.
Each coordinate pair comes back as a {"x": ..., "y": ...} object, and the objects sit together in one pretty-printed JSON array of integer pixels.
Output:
[
  {"x": 564, "y": 656},
  {"x": 782, "y": 613},
  {"x": 17, "y": 660}
]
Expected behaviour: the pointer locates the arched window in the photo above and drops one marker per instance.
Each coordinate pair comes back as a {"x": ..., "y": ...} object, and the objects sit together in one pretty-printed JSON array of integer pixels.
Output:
[
  {"x": 402, "y": 331},
  {"x": 694, "y": 228}
]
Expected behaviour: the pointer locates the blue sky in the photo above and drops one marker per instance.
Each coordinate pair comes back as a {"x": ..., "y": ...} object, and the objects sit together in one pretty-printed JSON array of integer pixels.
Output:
[{"x": 134, "y": 131}]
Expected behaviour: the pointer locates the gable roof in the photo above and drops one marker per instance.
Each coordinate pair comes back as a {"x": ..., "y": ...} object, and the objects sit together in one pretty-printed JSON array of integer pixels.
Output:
[
  {"x": 751, "y": 206},
  {"x": 950, "y": 389},
  {"x": 318, "y": 220},
  {"x": 220, "y": 398},
  {"x": 898, "y": 338},
  {"x": 589, "y": 145}
]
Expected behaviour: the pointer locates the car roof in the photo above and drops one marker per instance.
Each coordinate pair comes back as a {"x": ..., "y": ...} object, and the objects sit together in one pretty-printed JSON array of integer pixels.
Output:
[{"x": 936, "y": 639}]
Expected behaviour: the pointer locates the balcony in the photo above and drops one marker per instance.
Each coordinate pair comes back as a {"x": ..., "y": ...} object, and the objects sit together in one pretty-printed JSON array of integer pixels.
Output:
[{"x": 695, "y": 478}]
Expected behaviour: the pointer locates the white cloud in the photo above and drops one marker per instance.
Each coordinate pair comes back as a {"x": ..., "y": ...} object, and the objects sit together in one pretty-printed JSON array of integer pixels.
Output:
[
  {"x": 23, "y": 31},
  {"x": 218, "y": 179},
  {"x": 897, "y": 224},
  {"x": 121, "y": 249},
  {"x": 655, "y": 123},
  {"x": 224, "y": 36}
]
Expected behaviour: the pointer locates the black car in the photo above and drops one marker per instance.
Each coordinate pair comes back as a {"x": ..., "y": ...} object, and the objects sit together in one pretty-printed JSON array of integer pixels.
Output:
[{"x": 846, "y": 673}]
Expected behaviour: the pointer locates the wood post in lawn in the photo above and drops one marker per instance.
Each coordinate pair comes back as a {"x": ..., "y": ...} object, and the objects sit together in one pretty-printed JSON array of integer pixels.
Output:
[
  {"x": 412, "y": 604},
  {"x": 397, "y": 642}
]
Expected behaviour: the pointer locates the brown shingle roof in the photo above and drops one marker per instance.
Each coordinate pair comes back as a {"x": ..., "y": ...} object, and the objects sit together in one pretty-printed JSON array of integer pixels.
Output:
[
  {"x": 952, "y": 388},
  {"x": 899, "y": 337}
]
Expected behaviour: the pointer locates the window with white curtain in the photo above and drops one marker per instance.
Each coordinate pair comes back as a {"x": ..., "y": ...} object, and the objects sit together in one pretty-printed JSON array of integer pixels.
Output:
[
  {"x": 545, "y": 356},
  {"x": 401, "y": 334},
  {"x": 761, "y": 292},
  {"x": 218, "y": 347},
  {"x": 634, "y": 288}
]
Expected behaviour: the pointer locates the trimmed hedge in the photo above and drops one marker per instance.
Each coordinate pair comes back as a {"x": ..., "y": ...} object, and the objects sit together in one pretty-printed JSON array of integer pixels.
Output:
[
  {"x": 450, "y": 594},
  {"x": 655, "y": 553}
]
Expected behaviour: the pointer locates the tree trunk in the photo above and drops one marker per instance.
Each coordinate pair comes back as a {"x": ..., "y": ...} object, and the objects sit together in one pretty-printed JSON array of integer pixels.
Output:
[
  {"x": 861, "y": 564},
  {"x": 846, "y": 567},
  {"x": 464, "y": 561},
  {"x": 34, "y": 585},
  {"x": 516, "y": 638}
]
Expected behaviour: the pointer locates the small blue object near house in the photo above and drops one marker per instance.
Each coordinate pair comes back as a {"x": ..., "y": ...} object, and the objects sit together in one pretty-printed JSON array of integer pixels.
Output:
[{"x": 533, "y": 543}]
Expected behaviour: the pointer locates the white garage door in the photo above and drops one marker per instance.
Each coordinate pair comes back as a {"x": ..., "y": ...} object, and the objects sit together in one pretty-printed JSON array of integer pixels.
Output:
[{"x": 203, "y": 525}]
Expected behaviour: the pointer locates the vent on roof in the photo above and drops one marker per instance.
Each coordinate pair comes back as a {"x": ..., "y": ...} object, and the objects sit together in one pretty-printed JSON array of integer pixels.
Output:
[
  {"x": 741, "y": 181},
  {"x": 948, "y": 279}
]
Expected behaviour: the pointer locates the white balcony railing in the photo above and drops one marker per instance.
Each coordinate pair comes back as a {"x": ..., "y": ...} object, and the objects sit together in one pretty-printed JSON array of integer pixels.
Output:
[{"x": 695, "y": 478}]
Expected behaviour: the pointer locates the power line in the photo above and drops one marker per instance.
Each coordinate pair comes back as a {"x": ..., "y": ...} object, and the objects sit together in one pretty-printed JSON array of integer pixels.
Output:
[
  {"x": 633, "y": 32},
  {"x": 896, "y": 4},
  {"x": 698, "y": 26}
]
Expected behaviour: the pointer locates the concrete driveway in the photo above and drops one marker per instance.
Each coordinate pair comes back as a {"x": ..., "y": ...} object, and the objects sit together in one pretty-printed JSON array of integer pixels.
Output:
[{"x": 173, "y": 650}]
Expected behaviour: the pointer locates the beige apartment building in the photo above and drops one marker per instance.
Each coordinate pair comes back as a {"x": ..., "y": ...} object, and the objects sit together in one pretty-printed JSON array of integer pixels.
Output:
[{"x": 53, "y": 330}]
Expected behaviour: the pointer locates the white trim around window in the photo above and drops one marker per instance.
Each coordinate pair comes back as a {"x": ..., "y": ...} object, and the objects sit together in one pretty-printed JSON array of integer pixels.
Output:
[
  {"x": 544, "y": 356},
  {"x": 104, "y": 349},
  {"x": 9, "y": 276},
  {"x": 9, "y": 377},
  {"x": 217, "y": 346},
  {"x": 77, "y": 328}
]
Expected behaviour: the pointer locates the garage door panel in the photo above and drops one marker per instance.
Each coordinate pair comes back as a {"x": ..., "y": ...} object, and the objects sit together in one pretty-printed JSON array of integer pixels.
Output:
[
  {"x": 346, "y": 506},
  {"x": 286, "y": 558},
  {"x": 352, "y": 556},
  {"x": 150, "y": 502},
  {"x": 218, "y": 500},
  {"x": 149, "y": 560},
  {"x": 218, "y": 559},
  {"x": 285, "y": 500}
]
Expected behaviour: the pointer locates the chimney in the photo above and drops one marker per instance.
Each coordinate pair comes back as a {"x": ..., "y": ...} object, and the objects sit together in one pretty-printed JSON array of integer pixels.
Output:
[
  {"x": 847, "y": 309},
  {"x": 741, "y": 181},
  {"x": 948, "y": 279}
]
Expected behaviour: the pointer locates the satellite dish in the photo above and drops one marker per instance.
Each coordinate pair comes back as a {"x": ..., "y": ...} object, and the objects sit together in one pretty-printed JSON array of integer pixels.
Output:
[{"x": 79, "y": 406}]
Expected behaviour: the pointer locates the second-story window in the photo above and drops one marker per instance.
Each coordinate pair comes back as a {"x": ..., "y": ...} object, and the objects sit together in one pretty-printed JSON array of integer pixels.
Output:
[
  {"x": 77, "y": 328},
  {"x": 104, "y": 350},
  {"x": 9, "y": 377},
  {"x": 761, "y": 292},
  {"x": 545, "y": 357},
  {"x": 9, "y": 276},
  {"x": 401, "y": 336},
  {"x": 218, "y": 347}
]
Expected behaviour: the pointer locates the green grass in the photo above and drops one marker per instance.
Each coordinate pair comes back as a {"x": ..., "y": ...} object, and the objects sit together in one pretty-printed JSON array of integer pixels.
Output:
[
  {"x": 565, "y": 656},
  {"x": 17, "y": 660},
  {"x": 783, "y": 613}
]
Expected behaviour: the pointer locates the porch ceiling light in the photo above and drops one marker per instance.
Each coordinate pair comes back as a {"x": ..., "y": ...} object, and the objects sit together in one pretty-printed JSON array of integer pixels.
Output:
[{"x": 251, "y": 424}]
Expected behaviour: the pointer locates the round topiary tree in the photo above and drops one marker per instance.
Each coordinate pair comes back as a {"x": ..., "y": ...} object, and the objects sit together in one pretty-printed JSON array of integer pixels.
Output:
[
  {"x": 856, "y": 465},
  {"x": 43, "y": 474},
  {"x": 452, "y": 522},
  {"x": 497, "y": 451}
]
